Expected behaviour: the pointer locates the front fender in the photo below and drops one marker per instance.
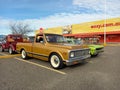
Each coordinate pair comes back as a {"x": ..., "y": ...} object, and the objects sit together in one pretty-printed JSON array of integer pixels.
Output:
[
  {"x": 13, "y": 47},
  {"x": 63, "y": 55},
  {"x": 92, "y": 51},
  {"x": 3, "y": 46}
]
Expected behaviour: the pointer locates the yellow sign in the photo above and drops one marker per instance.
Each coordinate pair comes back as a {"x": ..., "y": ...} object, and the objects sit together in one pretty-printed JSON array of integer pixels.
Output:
[
  {"x": 97, "y": 26},
  {"x": 88, "y": 27}
]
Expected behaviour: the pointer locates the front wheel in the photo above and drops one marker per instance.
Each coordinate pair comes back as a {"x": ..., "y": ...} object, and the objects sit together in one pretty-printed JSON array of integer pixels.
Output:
[
  {"x": 24, "y": 54},
  {"x": 94, "y": 55},
  {"x": 56, "y": 61}
]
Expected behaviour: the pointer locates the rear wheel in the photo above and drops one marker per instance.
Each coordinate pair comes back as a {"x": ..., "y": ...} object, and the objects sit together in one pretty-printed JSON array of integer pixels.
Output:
[
  {"x": 56, "y": 61},
  {"x": 24, "y": 54},
  {"x": 10, "y": 51},
  {"x": 1, "y": 49}
]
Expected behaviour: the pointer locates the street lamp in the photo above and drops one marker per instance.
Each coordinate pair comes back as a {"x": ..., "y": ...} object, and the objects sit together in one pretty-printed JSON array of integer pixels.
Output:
[{"x": 105, "y": 25}]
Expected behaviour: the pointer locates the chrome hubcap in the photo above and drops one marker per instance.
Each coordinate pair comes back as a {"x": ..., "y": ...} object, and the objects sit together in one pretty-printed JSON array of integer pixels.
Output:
[{"x": 55, "y": 61}]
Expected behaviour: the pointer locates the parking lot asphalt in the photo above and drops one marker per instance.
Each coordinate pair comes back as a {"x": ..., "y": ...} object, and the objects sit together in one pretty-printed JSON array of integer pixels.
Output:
[{"x": 97, "y": 73}]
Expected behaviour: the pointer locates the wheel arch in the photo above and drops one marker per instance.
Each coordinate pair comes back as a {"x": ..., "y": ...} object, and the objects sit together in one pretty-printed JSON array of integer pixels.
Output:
[
  {"x": 21, "y": 49},
  {"x": 11, "y": 46},
  {"x": 57, "y": 54}
]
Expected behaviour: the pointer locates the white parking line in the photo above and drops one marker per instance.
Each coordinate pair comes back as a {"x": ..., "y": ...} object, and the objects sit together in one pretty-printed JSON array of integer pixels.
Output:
[{"x": 39, "y": 65}]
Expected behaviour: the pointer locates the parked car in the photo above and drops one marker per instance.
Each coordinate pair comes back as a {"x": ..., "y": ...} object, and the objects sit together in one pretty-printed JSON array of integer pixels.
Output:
[{"x": 9, "y": 42}]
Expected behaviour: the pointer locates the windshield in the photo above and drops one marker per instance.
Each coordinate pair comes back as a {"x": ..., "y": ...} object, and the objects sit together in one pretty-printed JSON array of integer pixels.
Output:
[
  {"x": 54, "y": 38},
  {"x": 73, "y": 41},
  {"x": 15, "y": 37},
  {"x": 83, "y": 41},
  {"x": 77, "y": 41}
]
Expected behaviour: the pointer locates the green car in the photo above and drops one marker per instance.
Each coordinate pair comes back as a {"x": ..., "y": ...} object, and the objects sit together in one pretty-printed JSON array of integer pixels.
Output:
[{"x": 94, "y": 49}]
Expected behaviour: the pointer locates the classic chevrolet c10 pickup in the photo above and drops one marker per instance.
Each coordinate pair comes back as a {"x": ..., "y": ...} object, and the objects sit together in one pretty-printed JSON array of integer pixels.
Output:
[{"x": 53, "y": 48}]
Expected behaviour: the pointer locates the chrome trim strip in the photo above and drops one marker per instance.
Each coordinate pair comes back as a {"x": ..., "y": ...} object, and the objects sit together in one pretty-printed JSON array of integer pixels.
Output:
[{"x": 37, "y": 54}]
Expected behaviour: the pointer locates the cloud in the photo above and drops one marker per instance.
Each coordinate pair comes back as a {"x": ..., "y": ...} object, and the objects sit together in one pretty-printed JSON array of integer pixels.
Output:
[
  {"x": 112, "y": 6},
  {"x": 78, "y": 12},
  {"x": 91, "y": 4},
  {"x": 59, "y": 19},
  {"x": 92, "y": 10},
  {"x": 62, "y": 20},
  {"x": 4, "y": 25}
]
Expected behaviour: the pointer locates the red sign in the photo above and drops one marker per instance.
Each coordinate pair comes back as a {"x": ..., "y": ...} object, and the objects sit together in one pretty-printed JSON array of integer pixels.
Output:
[{"x": 105, "y": 25}]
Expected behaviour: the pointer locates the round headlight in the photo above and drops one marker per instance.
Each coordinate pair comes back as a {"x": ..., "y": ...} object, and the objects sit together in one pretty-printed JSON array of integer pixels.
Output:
[{"x": 72, "y": 54}]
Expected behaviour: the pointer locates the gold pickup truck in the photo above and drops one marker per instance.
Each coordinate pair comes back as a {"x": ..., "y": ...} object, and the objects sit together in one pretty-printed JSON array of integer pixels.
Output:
[{"x": 53, "y": 48}]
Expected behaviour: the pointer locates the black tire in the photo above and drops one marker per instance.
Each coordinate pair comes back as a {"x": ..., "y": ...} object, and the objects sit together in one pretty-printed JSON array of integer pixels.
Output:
[
  {"x": 1, "y": 49},
  {"x": 24, "y": 54},
  {"x": 10, "y": 50},
  {"x": 94, "y": 55},
  {"x": 56, "y": 61}
]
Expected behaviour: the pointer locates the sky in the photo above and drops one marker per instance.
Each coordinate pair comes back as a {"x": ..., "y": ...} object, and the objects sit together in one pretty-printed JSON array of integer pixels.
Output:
[{"x": 54, "y": 13}]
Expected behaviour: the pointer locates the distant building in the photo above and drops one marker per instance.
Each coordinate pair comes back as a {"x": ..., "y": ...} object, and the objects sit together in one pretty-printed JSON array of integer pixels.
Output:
[{"x": 110, "y": 28}]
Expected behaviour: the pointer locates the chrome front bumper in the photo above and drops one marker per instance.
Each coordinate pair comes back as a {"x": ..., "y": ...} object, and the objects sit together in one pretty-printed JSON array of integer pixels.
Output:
[{"x": 77, "y": 60}]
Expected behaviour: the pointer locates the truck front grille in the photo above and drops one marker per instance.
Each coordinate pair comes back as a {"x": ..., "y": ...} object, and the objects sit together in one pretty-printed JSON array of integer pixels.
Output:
[{"x": 81, "y": 52}]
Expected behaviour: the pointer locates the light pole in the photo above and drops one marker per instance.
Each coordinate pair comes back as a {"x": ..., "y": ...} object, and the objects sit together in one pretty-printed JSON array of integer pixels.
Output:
[{"x": 105, "y": 25}]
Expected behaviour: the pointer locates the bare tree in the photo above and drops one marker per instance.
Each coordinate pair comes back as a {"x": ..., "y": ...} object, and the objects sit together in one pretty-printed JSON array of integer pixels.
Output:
[{"x": 20, "y": 28}]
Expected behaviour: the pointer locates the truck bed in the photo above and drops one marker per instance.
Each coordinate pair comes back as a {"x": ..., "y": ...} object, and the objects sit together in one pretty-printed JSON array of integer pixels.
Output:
[{"x": 25, "y": 45}]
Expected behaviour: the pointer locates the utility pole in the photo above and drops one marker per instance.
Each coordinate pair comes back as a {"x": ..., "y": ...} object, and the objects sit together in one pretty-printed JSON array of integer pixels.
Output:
[{"x": 105, "y": 25}]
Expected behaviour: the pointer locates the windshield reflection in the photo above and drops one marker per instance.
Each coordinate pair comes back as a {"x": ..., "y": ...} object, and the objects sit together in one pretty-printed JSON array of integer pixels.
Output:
[{"x": 54, "y": 38}]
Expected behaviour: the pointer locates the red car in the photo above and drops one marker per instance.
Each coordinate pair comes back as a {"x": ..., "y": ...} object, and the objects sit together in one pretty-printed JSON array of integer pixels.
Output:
[{"x": 10, "y": 42}]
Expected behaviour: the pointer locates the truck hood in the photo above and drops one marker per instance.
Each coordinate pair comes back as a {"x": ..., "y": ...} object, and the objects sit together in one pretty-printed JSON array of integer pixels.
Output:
[{"x": 67, "y": 46}]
